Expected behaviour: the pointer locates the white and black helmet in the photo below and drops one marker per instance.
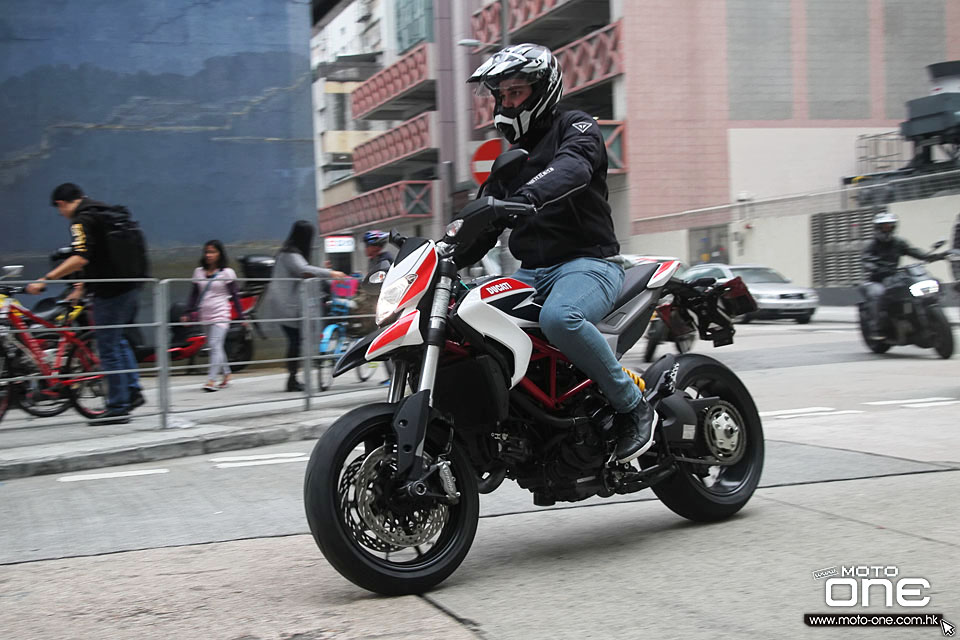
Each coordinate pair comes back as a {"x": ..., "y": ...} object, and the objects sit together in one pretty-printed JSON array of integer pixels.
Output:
[
  {"x": 540, "y": 68},
  {"x": 884, "y": 226}
]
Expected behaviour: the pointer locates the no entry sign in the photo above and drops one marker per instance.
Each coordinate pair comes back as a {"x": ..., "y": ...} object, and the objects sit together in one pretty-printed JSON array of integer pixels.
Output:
[{"x": 483, "y": 159}]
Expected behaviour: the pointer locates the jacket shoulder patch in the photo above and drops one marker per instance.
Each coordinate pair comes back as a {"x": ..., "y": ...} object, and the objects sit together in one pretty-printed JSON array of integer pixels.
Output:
[{"x": 582, "y": 126}]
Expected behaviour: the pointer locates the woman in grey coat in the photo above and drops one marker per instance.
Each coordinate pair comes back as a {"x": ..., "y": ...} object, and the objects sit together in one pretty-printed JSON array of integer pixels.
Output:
[{"x": 283, "y": 297}]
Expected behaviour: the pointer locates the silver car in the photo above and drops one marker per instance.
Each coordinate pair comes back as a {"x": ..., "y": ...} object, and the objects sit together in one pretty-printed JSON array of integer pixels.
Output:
[{"x": 776, "y": 296}]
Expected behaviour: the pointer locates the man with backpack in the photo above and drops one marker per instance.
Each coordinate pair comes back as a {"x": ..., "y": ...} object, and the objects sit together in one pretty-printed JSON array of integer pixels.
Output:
[{"x": 106, "y": 243}]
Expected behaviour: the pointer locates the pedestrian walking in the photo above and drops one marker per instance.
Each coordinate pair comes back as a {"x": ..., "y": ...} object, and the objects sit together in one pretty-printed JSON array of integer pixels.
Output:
[
  {"x": 213, "y": 294},
  {"x": 283, "y": 296},
  {"x": 103, "y": 247}
]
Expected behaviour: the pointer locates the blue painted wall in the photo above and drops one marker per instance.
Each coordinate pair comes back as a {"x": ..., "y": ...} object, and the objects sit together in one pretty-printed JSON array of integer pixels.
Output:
[{"x": 196, "y": 114}]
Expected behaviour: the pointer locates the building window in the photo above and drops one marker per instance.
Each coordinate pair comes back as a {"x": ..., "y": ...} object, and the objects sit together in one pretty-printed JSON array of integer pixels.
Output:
[{"x": 414, "y": 23}]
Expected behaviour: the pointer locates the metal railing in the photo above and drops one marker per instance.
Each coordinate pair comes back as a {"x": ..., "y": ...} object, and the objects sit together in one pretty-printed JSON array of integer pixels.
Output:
[{"x": 158, "y": 294}]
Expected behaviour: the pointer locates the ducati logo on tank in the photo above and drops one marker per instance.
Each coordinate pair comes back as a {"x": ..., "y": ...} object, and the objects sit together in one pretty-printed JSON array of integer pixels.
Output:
[{"x": 502, "y": 286}]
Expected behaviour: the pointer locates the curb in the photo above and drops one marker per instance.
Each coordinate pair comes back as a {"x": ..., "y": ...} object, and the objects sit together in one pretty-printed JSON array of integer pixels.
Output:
[{"x": 168, "y": 449}]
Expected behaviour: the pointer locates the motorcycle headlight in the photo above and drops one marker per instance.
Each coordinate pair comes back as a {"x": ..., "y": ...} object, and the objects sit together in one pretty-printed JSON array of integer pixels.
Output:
[
  {"x": 391, "y": 295},
  {"x": 924, "y": 288}
]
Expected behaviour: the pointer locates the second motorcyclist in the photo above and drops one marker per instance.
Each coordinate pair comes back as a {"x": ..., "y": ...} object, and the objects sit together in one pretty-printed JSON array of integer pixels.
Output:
[{"x": 880, "y": 260}]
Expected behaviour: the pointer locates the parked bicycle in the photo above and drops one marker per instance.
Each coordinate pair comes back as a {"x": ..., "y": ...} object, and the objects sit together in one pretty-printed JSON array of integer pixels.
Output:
[
  {"x": 336, "y": 339},
  {"x": 45, "y": 366}
]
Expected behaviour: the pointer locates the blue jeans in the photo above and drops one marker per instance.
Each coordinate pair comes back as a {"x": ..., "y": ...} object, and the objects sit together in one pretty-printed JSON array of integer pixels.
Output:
[
  {"x": 115, "y": 351},
  {"x": 580, "y": 293}
]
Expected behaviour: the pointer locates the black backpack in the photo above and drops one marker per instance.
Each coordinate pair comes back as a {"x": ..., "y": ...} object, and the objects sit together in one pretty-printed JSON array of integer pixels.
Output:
[{"x": 125, "y": 243}]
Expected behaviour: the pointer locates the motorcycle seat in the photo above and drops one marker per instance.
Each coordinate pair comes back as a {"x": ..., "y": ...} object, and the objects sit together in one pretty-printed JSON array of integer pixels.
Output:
[{"x": 634, "y": 281}]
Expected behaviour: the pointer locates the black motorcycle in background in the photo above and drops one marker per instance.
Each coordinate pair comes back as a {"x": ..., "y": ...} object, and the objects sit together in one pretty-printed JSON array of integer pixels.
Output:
[{"x": 911, "y": 310}]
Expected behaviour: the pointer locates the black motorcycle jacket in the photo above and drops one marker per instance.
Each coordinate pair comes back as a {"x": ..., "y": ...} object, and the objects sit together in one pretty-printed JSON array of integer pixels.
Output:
[
  {"x": 565, "y": 177},
  {"x": 880, "y": 259}
]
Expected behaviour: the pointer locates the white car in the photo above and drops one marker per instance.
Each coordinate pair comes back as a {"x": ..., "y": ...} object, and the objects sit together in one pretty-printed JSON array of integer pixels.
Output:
[{"x": 776, "y": 296}]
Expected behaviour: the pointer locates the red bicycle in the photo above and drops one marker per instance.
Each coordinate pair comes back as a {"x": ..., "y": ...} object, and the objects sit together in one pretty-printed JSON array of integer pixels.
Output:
[{"x": 45, "y": 366}]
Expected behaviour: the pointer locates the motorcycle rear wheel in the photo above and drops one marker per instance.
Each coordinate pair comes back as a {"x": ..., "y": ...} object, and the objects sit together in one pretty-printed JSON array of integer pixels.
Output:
[
  {"x": 943, "y": 333},
  {"x": 377, "y": 542},
  {"x": 239, "y": 351},
  {"x": 707, "y": 494}
]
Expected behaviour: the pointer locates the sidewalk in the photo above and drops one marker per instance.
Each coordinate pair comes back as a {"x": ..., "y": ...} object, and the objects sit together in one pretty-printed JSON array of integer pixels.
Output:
[
  {"x": 74, "y": 445},
  {"x": 39, "y": 448}
]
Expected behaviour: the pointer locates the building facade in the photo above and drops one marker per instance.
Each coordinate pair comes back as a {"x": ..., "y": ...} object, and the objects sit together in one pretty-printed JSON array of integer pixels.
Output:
[
  {"x": 701, "y": 103},
  {"x": 194, "y": 115}
]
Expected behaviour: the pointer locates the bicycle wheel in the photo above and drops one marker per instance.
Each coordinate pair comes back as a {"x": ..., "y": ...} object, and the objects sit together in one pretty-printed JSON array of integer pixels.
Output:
[
  {"x": 366, "y": 370},
  {"x": 88, "y": 387},
  {"x": 38, "y": 396},
  {"x": 328, "y": 359},
  {"x": 4, "y": 385}
]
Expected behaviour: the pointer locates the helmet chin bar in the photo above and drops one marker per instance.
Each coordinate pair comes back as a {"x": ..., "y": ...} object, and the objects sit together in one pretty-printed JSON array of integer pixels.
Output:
[{"x": 513, "y": 128}]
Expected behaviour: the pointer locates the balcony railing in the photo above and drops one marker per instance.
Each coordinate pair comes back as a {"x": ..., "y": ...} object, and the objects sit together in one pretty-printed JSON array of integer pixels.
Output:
[
  {"x": 586, "y": 62},
  {"x": 411, "y": 76},
  {"x": 404, "y": 199},
  {"x": 485, "y": 23},
  {"x": 405, "y": 141}
]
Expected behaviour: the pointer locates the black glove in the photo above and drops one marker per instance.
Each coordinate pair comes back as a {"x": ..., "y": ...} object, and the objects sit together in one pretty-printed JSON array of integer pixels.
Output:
[{"x": 933, "y": 257}]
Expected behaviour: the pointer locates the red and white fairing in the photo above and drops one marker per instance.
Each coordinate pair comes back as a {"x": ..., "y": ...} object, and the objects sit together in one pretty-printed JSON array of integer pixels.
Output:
[
  {"x": 499, "y": 310},
  {"x": 494, "y": 310},
  {"x": 663, "y": 274},
  {"x": 405, "y": 330}
]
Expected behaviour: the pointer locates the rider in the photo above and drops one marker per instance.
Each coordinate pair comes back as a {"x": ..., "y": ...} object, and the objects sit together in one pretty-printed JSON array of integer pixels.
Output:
[
  {"x": 375, "y": 242},
  {"x": 565, "y": 248},
  {"x": 880, "y": 260}
]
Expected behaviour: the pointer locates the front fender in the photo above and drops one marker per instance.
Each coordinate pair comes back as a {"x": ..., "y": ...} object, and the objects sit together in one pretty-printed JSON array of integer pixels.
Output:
[{"x": 356, "y": 354}]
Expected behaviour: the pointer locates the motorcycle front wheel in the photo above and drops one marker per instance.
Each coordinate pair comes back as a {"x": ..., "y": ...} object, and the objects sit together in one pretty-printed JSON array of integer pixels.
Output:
[
  {"x": 942, "y": 332},
  {"x": 877, "y": 346},
  {"x": 375, "y": 539},
  {"x": 732, "y": 430}
]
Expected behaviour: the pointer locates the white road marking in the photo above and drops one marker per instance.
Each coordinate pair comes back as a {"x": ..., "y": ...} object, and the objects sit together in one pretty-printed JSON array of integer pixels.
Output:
[
  {"x": 818, "y": 415},
  {"x": 922, "y": 405},
  {"x": 114, "y": 474},
  {"x": 254, "y": 463},
  {"x": 259, "y": 456},
  {"x": 783, "y": 412},
  {"x": 905, "y": 401}
]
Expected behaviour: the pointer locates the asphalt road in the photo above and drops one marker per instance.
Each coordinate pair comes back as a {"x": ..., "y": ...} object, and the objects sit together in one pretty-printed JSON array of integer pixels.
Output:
[{"x": 861, "y": 469}]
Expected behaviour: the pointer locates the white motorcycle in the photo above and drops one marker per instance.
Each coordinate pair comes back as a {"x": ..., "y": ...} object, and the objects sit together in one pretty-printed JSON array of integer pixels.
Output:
[{"x": 392, "y": 489}]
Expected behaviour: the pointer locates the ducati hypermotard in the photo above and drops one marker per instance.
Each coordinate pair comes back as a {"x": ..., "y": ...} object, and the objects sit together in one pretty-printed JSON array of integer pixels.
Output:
[{"x": 478, "y": 395}]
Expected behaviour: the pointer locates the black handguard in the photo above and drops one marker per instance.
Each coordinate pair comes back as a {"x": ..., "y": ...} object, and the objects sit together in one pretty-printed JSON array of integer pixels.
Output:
[{"x": 509, "y": 209}]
